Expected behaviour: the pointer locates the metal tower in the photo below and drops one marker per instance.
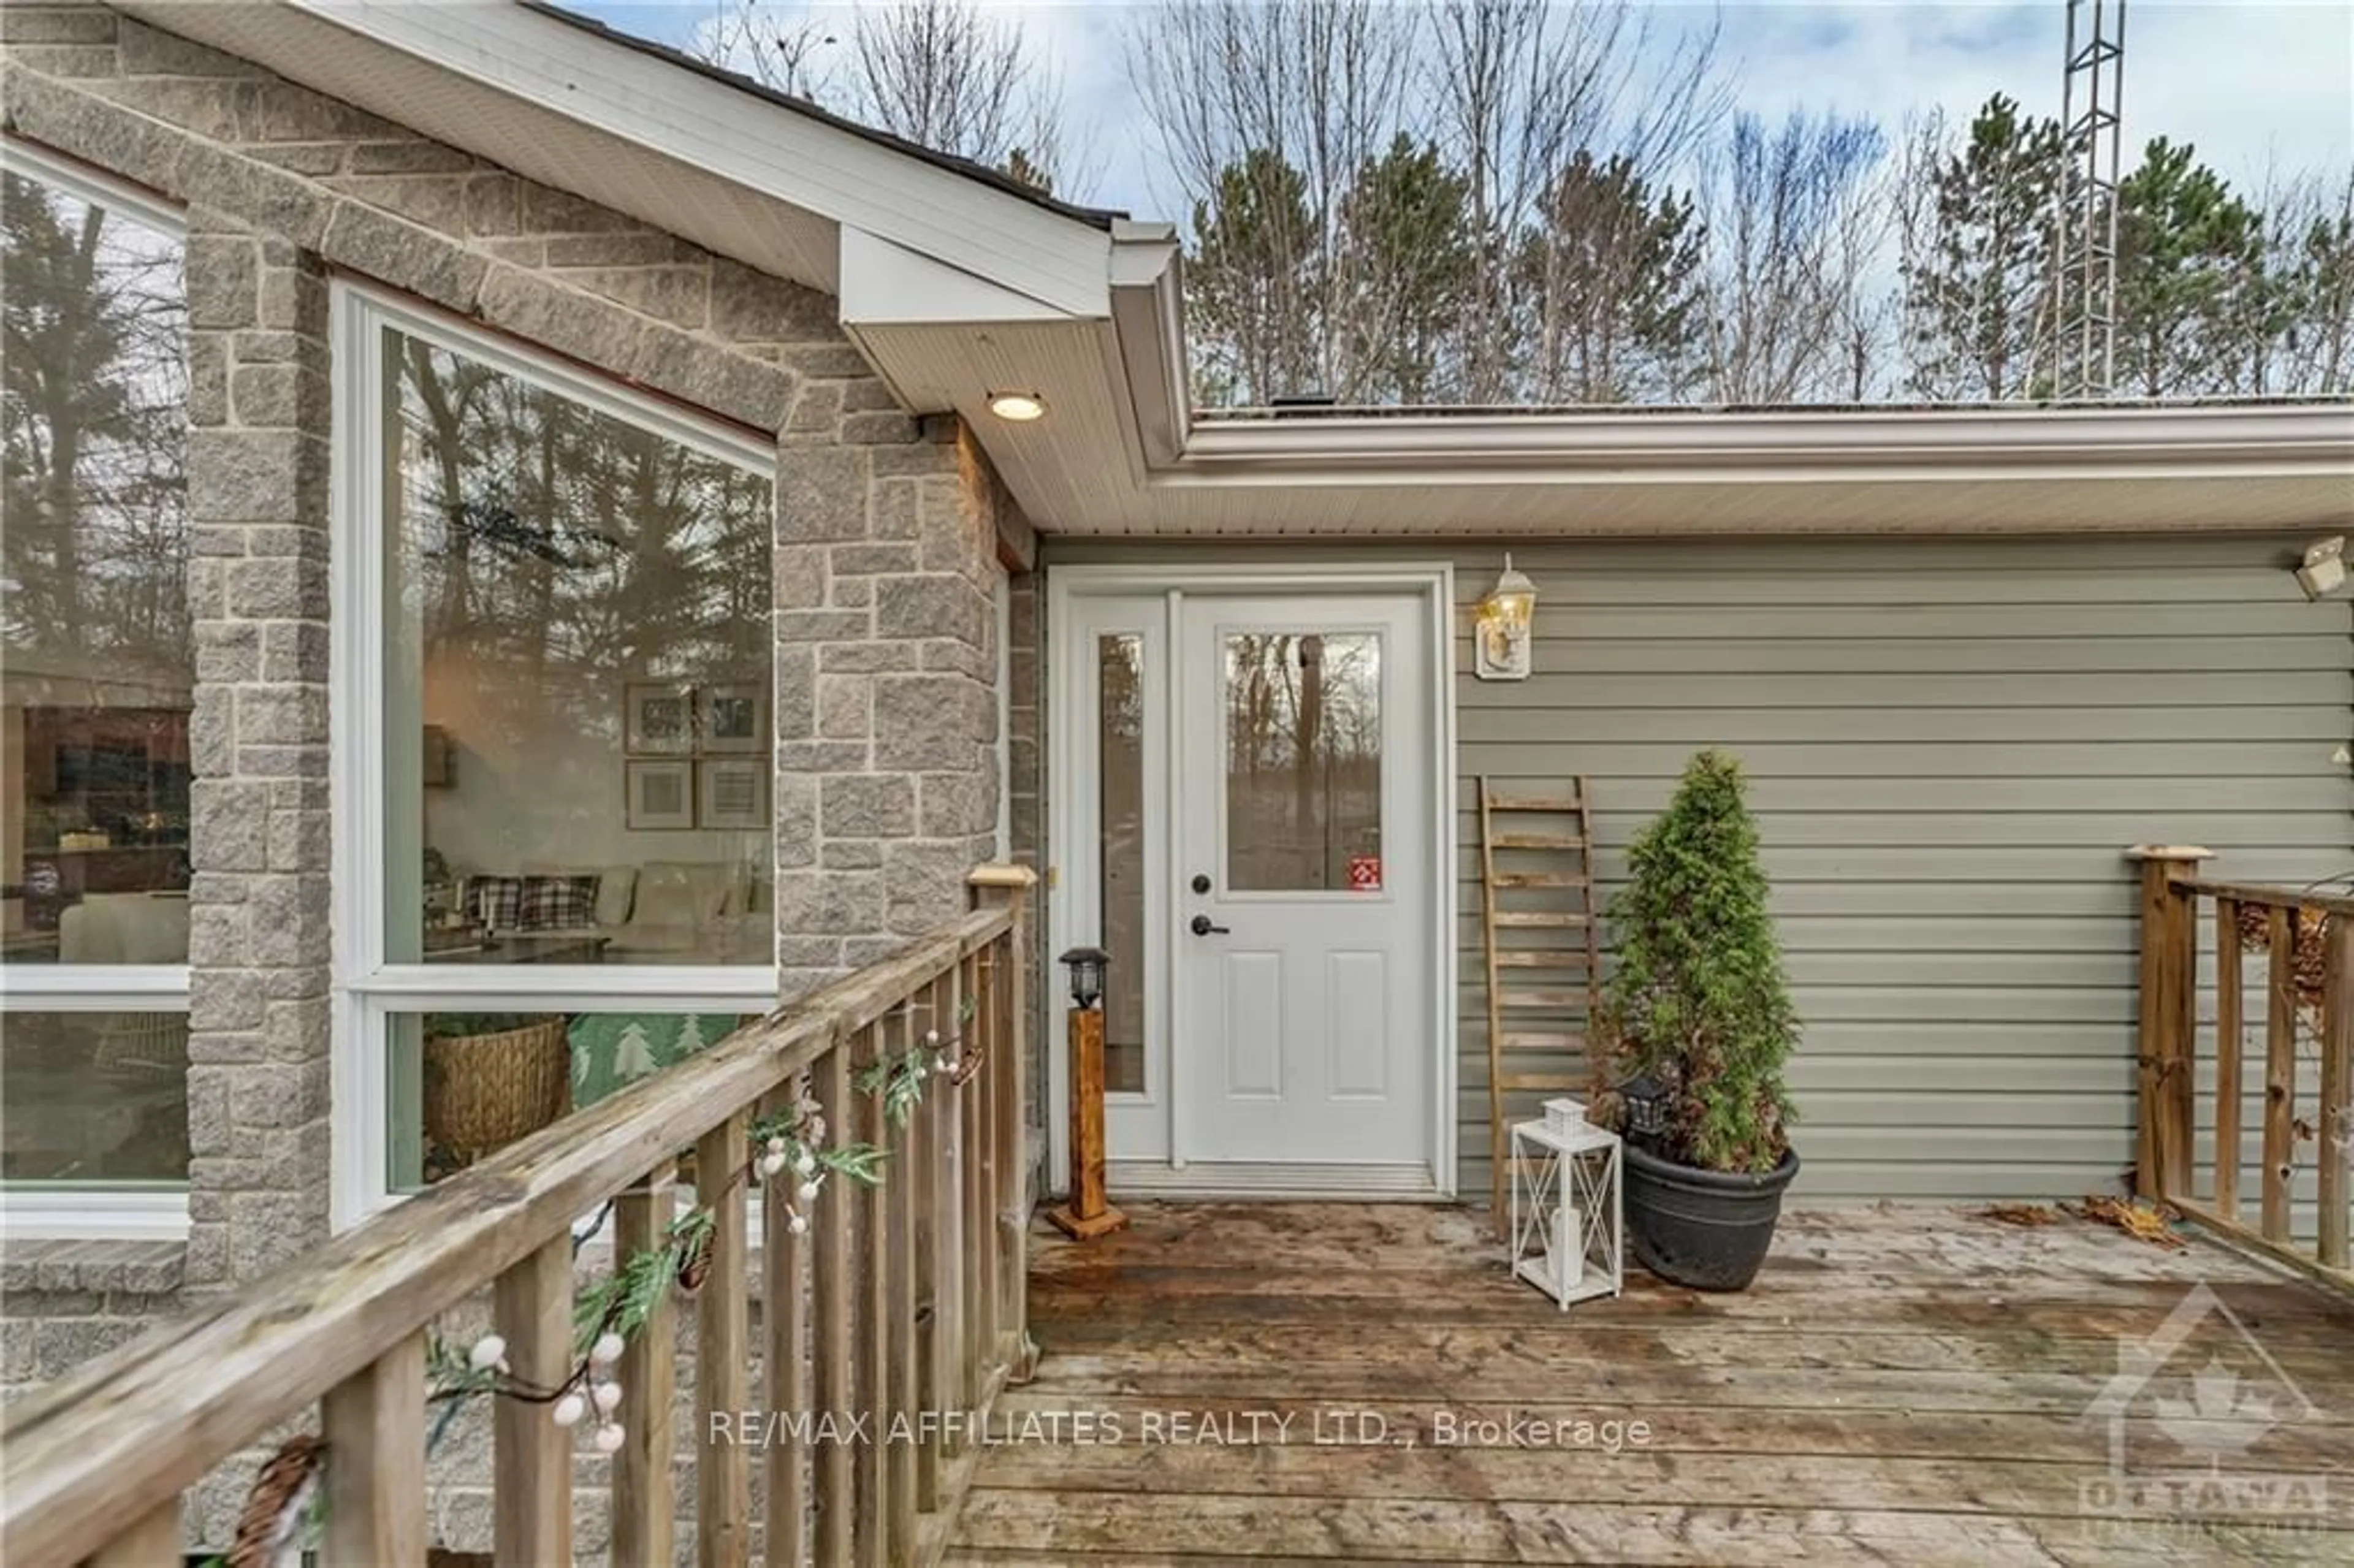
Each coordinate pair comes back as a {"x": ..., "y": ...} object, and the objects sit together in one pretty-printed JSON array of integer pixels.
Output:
[{"x": 2084, "y": 248}]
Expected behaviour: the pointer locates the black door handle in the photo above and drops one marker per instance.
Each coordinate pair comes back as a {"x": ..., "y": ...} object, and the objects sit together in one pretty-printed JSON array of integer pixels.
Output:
[{"x": 1202, "y": 928}]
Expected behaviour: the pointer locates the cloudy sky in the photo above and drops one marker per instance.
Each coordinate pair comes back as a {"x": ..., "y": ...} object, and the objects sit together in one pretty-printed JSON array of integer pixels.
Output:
[{"x": 2252, "y": 83}]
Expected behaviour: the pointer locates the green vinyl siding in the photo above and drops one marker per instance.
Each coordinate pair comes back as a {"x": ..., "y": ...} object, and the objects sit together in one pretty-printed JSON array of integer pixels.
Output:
[{"x": 1951, "y": 743}]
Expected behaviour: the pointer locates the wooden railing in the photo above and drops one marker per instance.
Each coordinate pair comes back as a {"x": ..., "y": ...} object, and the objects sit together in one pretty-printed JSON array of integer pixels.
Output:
[
  {"x": 898, "y": 1298},
  {"x": 2306, "y": 939}
]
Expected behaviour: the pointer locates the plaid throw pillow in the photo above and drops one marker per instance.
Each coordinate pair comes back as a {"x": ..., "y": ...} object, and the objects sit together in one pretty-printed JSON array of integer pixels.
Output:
[
  {"x": 558, "y": 903},
  {"x": 496, "y": 902}
]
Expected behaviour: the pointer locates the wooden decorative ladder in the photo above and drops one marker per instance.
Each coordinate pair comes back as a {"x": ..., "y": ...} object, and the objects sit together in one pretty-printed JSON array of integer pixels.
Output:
[{"x": 1536, "y": 891}]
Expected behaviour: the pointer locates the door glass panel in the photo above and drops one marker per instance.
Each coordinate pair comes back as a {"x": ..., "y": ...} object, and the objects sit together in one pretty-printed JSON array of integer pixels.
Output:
[
  {"x": 1119, "y": 661},
  {"x": 1303, "y": 760}
]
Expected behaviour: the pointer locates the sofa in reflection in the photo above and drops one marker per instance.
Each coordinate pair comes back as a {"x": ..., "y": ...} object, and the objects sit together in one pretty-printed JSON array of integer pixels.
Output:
[{"x": 712, "y": 912}]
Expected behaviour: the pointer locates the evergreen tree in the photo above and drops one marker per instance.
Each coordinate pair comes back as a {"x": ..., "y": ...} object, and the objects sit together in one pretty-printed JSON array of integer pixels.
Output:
[
  {"x": 2191, "y": 294},
  {"x": 1976, "y": 267},
  {"x": 1408, "y": 265},
  {"x": 1612, "y": 277},
  {"x": 1698, "y": 1002},
  {"x": 1252, "y": 285}
]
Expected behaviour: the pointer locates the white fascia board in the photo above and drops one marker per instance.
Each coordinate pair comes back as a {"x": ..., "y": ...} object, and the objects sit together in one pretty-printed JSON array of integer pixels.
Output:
[
  {"x": 1799, "y": 444},
  {"x": 1148, "y": 308},
  {"x": 765, "y": 147}
]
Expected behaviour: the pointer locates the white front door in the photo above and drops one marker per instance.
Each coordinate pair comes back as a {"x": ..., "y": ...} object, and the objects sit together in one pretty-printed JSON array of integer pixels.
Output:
[{"x": 1303, "y": 894}]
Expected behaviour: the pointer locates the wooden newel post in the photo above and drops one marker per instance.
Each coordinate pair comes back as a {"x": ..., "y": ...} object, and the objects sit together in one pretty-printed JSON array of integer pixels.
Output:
[
  {"x": 2169, "y": 1017},
  {"x": 1088, "y": 1212}
]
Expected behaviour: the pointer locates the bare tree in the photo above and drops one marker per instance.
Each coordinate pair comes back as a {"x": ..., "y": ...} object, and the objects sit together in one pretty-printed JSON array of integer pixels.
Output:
[
  {"x": 1792, "y": 242},
  {"x": 944, "y": 74},
  {"x": 1517, "y": 88},
  {"x": 1269, "y": 112}
]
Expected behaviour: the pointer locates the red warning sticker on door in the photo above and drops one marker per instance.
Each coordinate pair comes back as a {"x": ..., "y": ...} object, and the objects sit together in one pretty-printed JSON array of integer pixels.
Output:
[{"x": 1364, "y": 874}]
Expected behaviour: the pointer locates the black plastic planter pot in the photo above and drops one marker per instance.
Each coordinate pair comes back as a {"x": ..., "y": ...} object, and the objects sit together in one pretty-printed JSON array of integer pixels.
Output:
[{"x": 1703, "y": 1229}]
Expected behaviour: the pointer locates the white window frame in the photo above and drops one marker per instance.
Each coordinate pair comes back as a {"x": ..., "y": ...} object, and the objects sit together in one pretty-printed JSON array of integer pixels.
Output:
[
  {"x": 368, "y": 991},
  {"x": 31, "y": 1211}
]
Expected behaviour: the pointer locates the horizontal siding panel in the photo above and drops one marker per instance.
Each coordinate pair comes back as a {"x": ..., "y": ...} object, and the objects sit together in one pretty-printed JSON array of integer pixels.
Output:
[
  {"x": 1556, "y": 749},
  {"x": 2192, "y": 622},
  {"x": 2299, "y": 653},
  {"x": 2322, "y": 724},
  {"x": 2170, "y": 689}
]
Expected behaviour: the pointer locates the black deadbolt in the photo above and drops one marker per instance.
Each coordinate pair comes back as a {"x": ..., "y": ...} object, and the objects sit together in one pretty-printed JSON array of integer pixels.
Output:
[{"x": 1200, "y": 883}]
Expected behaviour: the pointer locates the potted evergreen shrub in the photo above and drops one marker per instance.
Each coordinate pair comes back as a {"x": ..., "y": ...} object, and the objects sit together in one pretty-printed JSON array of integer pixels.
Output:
[{"x": 1698, "y": 1023}]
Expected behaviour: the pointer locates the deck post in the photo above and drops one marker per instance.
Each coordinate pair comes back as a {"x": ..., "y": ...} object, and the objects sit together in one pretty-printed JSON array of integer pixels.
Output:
[
  {"x": 1010, "y": 886},
  {"x": 2169, "y": 1021}
]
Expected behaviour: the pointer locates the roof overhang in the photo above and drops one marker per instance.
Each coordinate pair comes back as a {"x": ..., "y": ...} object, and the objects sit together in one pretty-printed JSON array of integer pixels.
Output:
[{"x": 956, "y": 287}]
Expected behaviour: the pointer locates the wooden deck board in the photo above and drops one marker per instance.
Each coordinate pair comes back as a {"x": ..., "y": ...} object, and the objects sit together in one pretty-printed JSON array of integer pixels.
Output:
[{"x": 1900, "y": 1385}]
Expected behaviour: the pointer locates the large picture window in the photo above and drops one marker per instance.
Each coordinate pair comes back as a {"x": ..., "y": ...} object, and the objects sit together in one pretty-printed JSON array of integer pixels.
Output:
[
  {"x": 556, "y": 667},
  {"x": 97, "y": 673}
]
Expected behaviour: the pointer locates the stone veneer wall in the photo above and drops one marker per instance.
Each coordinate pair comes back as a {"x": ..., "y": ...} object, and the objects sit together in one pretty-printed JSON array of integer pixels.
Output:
[{"x": 885, "y": 569}]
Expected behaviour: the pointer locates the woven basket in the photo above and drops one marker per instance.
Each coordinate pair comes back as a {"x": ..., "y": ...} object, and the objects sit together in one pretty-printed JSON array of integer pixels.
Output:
[{"x": 485, "y": 1090}]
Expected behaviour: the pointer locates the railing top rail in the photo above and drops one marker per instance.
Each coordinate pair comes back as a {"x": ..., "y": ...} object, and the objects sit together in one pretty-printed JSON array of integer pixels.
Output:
[
  {"x": 131, "y": 1431},
  {"x": 2266, "y": 895}
]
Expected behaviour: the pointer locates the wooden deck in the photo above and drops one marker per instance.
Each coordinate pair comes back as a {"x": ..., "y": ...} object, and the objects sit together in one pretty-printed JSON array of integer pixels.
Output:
[{"x": 1902, "y": 1385}]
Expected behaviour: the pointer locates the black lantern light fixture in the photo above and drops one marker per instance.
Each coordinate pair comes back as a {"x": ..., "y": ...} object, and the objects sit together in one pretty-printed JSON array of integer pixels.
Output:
[
  {"x": 1646, "y": 1099},
  {"x": 1087, "y": 967}
]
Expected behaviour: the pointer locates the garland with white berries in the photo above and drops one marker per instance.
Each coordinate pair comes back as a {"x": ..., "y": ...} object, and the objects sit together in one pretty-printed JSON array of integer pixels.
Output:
[{"x": 792, "y": 1142}]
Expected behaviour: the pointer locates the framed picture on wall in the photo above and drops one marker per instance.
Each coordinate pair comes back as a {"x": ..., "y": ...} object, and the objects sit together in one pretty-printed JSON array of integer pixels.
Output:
[
  {"x": 732, "y": 717},
  {"x": 660, "y": 794},
  {"x": 658, "y": 718},
  {"x": 734, "y": 793}
]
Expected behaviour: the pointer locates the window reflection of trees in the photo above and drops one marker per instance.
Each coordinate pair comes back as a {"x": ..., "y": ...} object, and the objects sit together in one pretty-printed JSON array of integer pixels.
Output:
[
  {"x": 568, "y": 547},
  {"x": 1303, "y": 756},
  {"x": 95, "y": 556},
  {"x": 1120, "y": 818}
]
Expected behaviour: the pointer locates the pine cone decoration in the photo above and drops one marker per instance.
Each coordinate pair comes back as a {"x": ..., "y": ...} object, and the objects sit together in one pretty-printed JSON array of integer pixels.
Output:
[
  {"x": 2310, "y": 946},
  {"x": 696, "y": 1267},
  {"x": 268, "y": 1532}
]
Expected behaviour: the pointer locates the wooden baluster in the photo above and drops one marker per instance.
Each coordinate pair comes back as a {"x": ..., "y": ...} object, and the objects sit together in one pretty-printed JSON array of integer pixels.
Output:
[
  {"x": 374, "y": 1424},
  {"x": 723, "y": 1334},
  {"x": 1013, "y": 1200},
  {"x": 643, "y": 1504},
  {"x": 932, "y": 1295},
  {"x": 2334, "y": 1137},
  {"x": 831, "y": 1350},
  {"x": 154, "y": 1542},
  {"x": 785, "y": 1292},
  {"x": 899, "y": 1307},
  {"x": 531, "y": 1455},
  {"x": 2280, "y": 1073},
  {"x": 2228, "y": 984},
  {"x": 870, "y": 1327},
  {"x": 979, "y": 1177},
  {"x": 951, "y": 1295}
]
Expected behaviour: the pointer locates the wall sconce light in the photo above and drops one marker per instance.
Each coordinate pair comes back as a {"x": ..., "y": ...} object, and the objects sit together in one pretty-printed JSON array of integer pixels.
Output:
[
  {"x": 2323, "y": 570},
  {"x": 1501, "y": 641}
]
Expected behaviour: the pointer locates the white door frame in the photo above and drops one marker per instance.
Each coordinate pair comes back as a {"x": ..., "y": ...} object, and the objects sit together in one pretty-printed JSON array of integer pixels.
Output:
[{"x": 1434, "y": 583}]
